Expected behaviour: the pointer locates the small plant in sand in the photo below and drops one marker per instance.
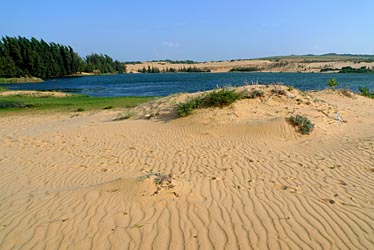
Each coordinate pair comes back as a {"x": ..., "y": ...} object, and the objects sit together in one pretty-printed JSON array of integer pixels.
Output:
[
  {"x": 278, "y": 92},
  {"x": 290, "y": 88},
  {"x": 124, "y": 116},
  {"x": 160, "y": 179},
  {"x": 80, "y": 110},
  {"x": 333, "y": 83},
  {"x": 366, "y": 92},
  {"x": 304, "y": 125},
  {"x": 254, "y": 93},
  {"x": 347, "y": 92},
  {"x": 216, "y": 98}
]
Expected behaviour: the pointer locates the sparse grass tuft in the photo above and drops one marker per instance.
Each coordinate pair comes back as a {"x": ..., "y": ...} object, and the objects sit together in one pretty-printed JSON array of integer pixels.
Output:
[
  {"x": 80, "y": 109},
  {"x": 278, "y": 92},
  {"x": 124, "y": 116},
  {"x": 347, "y": 92},
  {"x": 254, "y": 93},
  {"x": 304, "y": 125}
]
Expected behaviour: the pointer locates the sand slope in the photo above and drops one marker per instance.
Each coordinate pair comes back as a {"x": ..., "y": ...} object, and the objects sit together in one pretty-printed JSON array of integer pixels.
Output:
[{"x": 242, "y": 177}]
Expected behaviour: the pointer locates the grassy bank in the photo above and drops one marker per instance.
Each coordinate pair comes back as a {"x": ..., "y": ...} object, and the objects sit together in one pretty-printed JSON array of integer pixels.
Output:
[
  {"x": 74, "y": 103},
  {"x": 20, "y": 80}
]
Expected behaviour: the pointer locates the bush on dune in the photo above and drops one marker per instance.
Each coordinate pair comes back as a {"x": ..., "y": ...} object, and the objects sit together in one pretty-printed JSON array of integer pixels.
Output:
[
  {"x": 304, "y": 125},
  {"x": 216, "y": 98}
]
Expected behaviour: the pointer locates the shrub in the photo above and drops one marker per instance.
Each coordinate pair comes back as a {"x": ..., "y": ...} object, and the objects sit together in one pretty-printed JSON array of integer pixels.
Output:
[
  {"x": 216, "y": 98},
  {"x": 304, "y": 125},
  {"x": 333, "y": 83},
  {"x": 220, "y": 98},
  {"x": 184, "y": 109},
  {"x": 366, "y": 92},
  {"x": 244, "y": 69},
  {"x": 80, "y": 110},
  {"x": 13, "y": 104}
]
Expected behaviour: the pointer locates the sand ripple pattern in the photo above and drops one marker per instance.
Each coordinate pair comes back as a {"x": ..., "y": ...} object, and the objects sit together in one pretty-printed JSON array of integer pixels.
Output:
[{"x": 76, "y": 184}]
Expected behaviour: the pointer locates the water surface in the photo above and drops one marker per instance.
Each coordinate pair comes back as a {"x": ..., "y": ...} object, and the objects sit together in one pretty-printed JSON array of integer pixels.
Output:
[{"x": 166, "y": 84}]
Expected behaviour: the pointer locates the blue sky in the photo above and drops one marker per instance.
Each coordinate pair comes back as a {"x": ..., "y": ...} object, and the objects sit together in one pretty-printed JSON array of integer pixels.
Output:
[{"x": 198, "y": 30}]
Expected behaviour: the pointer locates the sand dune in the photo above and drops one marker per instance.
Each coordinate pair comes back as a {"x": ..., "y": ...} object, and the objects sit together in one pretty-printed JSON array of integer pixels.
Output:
[{"x": 241, "y": 177}]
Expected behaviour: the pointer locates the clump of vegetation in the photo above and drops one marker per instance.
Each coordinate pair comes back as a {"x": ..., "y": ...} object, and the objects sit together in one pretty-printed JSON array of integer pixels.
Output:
[
  {"x": 254, "y": 93},
  {"x": 124, "y": 116},
  {"x": 304, "y": 125},
  {"x": 244, "y": 69},
  {"x": 366, "y": 92},
  {"x": 13, "y": 104},
  {"x": 160, "y": 179},
  {"x": 80, "y": 109},
  {"x": 185, "y": 108},
  {"x": 278, "y": 92},
  {"x": 22, "y": 57},
  {"x": 333, "y": 83},
  {"x": 361, "y": 70},
  {"x": 216, "y": 98},
  {"x": 149, "y": 70},
  {"x": 108, "y": 107},
  {"x": 347, "y": 92},
  {"x": 290, "y": 88},
  {"x": 220, "y": 98}
]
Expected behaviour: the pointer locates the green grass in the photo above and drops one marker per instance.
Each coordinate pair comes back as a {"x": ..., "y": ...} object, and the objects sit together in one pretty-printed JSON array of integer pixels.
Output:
[
  {"x": 74, "y": 103},
  {"x": 4, "y": 80}
]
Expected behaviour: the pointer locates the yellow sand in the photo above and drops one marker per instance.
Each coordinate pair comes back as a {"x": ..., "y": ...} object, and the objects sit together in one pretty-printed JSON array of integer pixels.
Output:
[
  {"x": 289, "y": 65},
  {"x": 242, "y": 177}
]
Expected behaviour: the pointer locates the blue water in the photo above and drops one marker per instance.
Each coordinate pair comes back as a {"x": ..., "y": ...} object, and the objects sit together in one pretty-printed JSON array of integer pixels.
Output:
[{"x": 166, "y": 84}]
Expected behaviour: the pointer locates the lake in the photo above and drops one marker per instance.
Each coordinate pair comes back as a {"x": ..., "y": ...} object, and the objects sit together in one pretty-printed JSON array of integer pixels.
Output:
[{"x": 166, "y": 84}]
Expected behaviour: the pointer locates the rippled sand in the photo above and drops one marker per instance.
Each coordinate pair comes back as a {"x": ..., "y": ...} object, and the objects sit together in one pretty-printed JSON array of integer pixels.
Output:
[{"x": 241, "y": 177}]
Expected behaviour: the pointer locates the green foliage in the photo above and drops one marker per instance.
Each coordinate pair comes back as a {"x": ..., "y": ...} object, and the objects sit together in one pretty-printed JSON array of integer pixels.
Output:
[
  {"x": 366, "y": 92},
  {"x": 72, "y": 103},
  {"x": 361, "y": 70},
  {"x": 304, "y": 125},
  {"x": 21, "y": 57},
  {"x": 333, "y": 83},
  {"x": 216, "y": 98},
  {"x": 193, "y": 69},
  {"x": 149, "y": 70},
  {"x": 184, "y": 109},
  {"x": 189, "y": 69},
  {"x": 80, "y": 109},
  {"x": 244, "y": 69},
  {"x": 102, "y": 64}
]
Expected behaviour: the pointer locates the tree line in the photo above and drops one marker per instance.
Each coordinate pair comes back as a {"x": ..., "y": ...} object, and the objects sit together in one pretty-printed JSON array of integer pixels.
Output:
[
  {"x": 20, "y": 56},
  {"x": 189, "y": 69}
]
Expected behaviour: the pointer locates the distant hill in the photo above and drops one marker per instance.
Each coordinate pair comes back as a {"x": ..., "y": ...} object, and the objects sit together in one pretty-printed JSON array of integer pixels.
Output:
[{"x": 324, "y": 57}]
